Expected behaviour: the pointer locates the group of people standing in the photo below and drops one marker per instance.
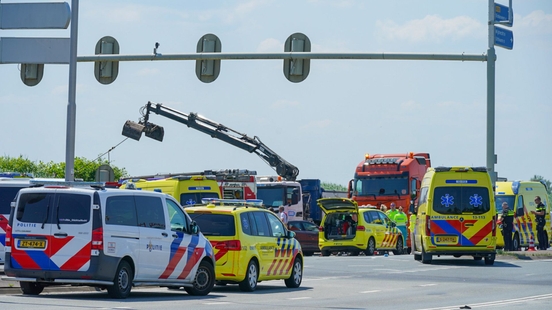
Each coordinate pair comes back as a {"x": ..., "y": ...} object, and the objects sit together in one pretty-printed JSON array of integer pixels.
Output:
[
  {"x": 507, "y": 219},
  {"x": 398, "y": 216}
]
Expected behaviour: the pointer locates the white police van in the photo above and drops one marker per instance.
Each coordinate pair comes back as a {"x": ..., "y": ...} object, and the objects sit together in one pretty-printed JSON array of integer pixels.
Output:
[
  {"x": 9, "y": 186},
  {"x": 81, "y": 233}
]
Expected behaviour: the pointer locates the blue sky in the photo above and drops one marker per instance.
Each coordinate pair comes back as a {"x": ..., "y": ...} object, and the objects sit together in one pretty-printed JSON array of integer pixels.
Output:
[{"x": 323, "y": 125}]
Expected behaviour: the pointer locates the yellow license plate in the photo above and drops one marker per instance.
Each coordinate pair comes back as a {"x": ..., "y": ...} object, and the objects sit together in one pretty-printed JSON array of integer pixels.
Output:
[
  {"x": 446, "y": 239},
  {"x": 31, "y": 244}
]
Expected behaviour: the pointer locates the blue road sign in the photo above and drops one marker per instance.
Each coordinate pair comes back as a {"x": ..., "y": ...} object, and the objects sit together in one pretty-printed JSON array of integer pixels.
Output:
[
  {"x": 504, "y": 38},
  {"x": 502, "y": 14}
]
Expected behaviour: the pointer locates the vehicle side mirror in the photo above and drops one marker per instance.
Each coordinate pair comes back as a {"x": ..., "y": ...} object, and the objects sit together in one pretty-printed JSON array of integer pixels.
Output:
[
  {"x": 291, "y": 234},
  {"x": 194, "y": 228}
]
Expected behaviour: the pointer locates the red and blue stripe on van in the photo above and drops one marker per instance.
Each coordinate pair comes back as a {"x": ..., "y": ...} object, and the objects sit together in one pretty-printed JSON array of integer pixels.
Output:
[
  {"x": 54, "y": 256},
  {"x": 193, "y": 252},
  {"x": 470, "y": 232}
]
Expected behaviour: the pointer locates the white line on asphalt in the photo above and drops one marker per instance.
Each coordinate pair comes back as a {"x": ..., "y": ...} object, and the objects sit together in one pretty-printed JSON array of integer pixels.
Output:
[
  {"x": 297, "y": 298},
  {"x": 217, "y": 303},
  {"x": 429, "y": 284},
  {"x": 495, "y": 303},
  {"x": 367, "y": 292}
]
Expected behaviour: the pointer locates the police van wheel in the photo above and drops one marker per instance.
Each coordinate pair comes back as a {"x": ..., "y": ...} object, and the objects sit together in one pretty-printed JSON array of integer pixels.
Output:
[
  {"x": 204, "y": 280},
  {"x": 249, "y": 284},
  {"x": 370, "y": 248},
  {"x": 294, "y": 280},
  {"x": 31, "y": 288},
  {"x": 122, "y": 282},
  {"x": 325, "y": 253}
]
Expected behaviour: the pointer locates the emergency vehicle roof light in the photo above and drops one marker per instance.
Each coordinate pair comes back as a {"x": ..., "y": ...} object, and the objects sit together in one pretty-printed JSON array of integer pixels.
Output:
[
  {"x": 411, "y": 155},
  {"x": 366, "y": 156}
]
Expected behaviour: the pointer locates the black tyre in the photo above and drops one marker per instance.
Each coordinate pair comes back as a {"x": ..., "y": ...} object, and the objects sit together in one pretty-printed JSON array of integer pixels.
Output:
[
  {"x": 309, "y": 253},
  {"x": 296, "y": 277},
  {"x": 490, "y": 259},
  {"x": 516, "y": 246},
  {"x": 204, "y": 280},
  {"x": 31, "y": 288},
  {"x": 399, "y": 250},
  {"x": 325, "y": 253},
  {"x": 477, "y": 258},
  {"x": 426, "y": 258},
  {"x": 370, "y": 247},
  {"x": 249, "y": 284},
  {"x": 122, "y": 282}
]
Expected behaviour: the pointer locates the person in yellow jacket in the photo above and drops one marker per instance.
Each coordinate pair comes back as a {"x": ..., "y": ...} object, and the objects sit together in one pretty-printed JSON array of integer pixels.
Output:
[
  {"x": 400, "y": 219},
  {"x": 392, "y": 211},
  {"x": 412, "y": 227}
]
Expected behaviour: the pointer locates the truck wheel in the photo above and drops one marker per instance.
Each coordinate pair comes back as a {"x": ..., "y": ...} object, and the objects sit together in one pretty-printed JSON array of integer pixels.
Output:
[
  {"x": 249, "y": 284},
  {"x": 426, "y": 258},
  {"x": 122, "y": 282},
  {"x": 325, "y": 253},
  {"x": 204, "y": 280},
  {"x": 371, "y": 247},
  {"x": 294, "y": 280},
  {"x": 31, "y": 288}
]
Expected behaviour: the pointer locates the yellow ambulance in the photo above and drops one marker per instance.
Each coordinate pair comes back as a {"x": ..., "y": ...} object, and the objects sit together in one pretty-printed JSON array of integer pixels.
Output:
[
  {"x": 187, "y": 189},
  {"x": 456, "y": 215},
  {"x": 520, "y": 196}
]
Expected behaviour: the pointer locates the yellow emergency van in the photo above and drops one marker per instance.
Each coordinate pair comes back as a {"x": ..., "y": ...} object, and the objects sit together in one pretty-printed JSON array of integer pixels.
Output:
[
  {"x": 251, "y": 243},
  {"x": 520, "y": 196},
  {"x": 187, "y": 189},
  {"x": 456, "y": 215}
]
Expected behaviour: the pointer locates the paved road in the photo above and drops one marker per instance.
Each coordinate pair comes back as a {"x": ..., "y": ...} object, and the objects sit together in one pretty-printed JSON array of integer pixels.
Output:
[{"x": 342, "y": 282}]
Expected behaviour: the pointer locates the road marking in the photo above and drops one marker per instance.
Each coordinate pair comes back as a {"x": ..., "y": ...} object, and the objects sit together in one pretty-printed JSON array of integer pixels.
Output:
[
  {"x": 495, "y": 303},
  {"x": 429, "y": 284},
  {"x": 367, "y": 292},
  {"x": 297, "y": 298},
  {"x": 217, "y": 303}
]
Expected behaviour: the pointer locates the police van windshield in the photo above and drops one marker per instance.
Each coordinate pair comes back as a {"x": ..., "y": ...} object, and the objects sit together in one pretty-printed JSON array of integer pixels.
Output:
[{"x": 461, "y": 199}]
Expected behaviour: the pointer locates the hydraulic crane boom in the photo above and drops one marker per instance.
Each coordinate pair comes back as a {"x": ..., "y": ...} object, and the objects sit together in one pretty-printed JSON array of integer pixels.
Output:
[{"x": 221, "y": 132}]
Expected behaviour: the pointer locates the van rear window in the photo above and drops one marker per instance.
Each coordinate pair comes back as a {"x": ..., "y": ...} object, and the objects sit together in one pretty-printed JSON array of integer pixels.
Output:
[
  {"x": 50, "y": 209},
  {"x": 215, "y": 224},
  {"x": 7, "y": 194},
  {"x": 461, "y": 199}
]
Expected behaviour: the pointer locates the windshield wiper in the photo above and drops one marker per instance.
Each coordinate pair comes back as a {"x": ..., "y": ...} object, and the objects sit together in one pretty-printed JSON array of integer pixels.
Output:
[{"x": 46, "y": 217}]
